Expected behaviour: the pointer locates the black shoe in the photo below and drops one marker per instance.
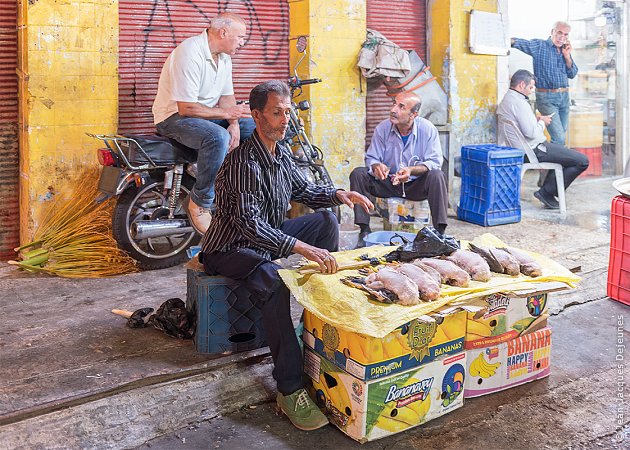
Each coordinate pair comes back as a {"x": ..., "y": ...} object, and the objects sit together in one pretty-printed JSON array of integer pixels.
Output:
[
  {"x": 361, "y": 240},
  {"x": 548, "y": 200}
]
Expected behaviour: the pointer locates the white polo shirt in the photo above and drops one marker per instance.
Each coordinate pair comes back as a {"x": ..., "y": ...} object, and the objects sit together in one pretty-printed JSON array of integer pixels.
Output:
[{"x": 191, "y": 75}]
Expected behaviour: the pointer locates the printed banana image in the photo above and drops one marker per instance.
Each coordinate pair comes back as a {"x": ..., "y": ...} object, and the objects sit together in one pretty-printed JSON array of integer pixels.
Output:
[
  {"x": 481, "y": 368},
  {"x": 453, "y": 327},
  {"x": 334, "y": 389},
  {"x": 478, "y": 328},
  {"x": 405, "y": 417}
]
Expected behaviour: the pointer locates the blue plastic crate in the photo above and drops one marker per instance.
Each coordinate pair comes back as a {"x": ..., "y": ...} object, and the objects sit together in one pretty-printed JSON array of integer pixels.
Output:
[
  {"x": 491, "y": 185},
  {"x": 227, "y": 321}
]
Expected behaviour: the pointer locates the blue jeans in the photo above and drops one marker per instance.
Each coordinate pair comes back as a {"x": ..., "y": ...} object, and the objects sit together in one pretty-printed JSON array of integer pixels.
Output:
[
  {"x": 211, "y": 140},
  {"x": 558, "y": 102}
]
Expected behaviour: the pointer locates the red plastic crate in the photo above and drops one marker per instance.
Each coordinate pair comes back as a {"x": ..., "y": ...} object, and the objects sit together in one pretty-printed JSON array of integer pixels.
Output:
[
  {"x": 619, "y": 263},
  {"x": 594, "y": 155}
]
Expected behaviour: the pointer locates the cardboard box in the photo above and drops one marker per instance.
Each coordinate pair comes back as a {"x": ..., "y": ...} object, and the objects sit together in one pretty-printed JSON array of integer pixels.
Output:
[
  {"x": 369, "y": 410},
  {"x": 500, "y": 317},
  {"x": 512, "y": 363},
  {"x": 368, "y": 358}
]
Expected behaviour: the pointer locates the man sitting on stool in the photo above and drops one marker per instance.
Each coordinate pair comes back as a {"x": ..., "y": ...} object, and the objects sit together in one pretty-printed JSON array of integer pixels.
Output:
[
  {"x": 254, "y": 186},
  {"x": 516, "y": 108},
  {"x": 404, "y": 160}
]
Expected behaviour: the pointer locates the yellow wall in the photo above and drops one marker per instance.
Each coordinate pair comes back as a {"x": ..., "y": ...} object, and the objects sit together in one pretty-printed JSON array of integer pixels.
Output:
[
  {"x": 68, "y": 86},
  {"x": 335, "y": 30},
  {"x": 470, "y": 80}
]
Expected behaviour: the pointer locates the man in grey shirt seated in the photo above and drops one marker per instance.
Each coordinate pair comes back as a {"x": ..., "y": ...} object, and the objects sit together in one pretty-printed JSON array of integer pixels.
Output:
[
  {"x": 515, "y": 107},
  {"x": 404, "y": 160}
]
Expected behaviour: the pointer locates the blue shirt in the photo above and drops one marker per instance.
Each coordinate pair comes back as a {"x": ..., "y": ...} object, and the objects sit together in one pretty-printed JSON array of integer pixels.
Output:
[
  {"x": 422, "y": 147},
  {"x": 550, "y": 67}
]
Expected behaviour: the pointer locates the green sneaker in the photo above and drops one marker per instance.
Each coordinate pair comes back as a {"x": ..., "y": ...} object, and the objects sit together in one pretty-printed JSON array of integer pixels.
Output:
[{"x": 301, "y": 410}]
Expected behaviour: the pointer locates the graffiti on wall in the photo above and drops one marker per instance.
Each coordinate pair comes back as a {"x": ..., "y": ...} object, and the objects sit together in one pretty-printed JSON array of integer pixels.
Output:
[
  {"x": 151, "y": 29},
  {"x": 271, "y": 35}
]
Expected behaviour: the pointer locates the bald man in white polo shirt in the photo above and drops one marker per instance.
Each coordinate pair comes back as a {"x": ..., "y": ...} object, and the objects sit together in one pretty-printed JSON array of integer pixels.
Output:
[{"x": 195, "y": 105}]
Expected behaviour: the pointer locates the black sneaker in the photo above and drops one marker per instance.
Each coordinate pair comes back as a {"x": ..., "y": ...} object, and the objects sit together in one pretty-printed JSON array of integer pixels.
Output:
[{"x": 546, "y": 199}]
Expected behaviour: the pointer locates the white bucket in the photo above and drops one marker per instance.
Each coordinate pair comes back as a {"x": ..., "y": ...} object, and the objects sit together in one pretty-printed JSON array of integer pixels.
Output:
[{"x": 348, "y": 236}]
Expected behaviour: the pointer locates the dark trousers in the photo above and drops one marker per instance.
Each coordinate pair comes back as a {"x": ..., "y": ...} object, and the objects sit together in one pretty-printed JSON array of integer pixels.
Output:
[
  {"x": 260, "y": 276},
  {"x": 431, "y": 185},
  {"x": 573, "y": 164}
]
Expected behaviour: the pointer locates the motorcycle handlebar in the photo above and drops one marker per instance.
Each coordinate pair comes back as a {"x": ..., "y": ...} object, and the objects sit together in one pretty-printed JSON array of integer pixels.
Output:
[{"x": 296, "y": 82}]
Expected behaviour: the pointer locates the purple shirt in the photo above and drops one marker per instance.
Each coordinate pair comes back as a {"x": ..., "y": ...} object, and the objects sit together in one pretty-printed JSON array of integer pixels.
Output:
[{"x": 422, "y": 147}]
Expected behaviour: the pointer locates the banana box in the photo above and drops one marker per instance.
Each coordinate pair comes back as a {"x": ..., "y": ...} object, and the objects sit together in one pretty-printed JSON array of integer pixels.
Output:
[
  {"x": 411, "y": 345},
  {"x": 500, "y": 317},
  {"x": 369, "y": 410},
  {"x": 512, "y": 363}
]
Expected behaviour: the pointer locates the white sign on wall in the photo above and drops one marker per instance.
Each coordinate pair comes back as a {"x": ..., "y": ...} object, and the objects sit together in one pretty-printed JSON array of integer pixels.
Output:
[{"x": 488, "y": 33}]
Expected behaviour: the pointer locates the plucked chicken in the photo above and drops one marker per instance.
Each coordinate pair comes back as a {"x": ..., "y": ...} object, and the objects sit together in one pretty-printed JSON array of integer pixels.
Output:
[{"x": 396, "y": 282}]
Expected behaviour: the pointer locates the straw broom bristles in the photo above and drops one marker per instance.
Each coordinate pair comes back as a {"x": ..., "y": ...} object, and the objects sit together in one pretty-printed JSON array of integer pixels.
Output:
[{"x": 74, "y": 239}]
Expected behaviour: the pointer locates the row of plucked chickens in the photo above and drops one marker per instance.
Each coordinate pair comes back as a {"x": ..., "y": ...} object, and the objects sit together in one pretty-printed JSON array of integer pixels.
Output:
[{"x": 420, "y": 279}]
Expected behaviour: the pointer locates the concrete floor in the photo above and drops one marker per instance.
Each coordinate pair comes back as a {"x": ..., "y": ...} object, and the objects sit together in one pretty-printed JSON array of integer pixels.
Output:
[{"x": 73, "y": 376}]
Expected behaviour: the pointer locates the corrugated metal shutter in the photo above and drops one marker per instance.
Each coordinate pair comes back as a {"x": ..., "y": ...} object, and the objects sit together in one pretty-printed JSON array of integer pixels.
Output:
[
  {"x": 9, "y": 156},
  {"x": 150, "y": 30},
  {"x": 404, "y": 23}
]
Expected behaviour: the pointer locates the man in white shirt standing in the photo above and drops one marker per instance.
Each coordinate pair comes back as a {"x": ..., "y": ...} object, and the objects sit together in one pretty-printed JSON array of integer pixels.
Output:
[
  {"x": 516, "y": 108},
  {"x": 195, "y": 105}
]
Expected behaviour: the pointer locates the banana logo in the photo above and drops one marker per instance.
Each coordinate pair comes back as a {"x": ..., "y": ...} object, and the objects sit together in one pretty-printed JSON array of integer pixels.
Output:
[
  {"x": 479, "y": 367},
  {"x": 452, "y": 384},
  {"x": 330, "y": 339}
]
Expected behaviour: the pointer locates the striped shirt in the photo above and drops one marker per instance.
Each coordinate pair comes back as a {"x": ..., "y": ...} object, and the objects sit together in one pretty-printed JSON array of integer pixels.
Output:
[
  {"x": 550, "y": 67},
  {"x": 253, "y": 190}
]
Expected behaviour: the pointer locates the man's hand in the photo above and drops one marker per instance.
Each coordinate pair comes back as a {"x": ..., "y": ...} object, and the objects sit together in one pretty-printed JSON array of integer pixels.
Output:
[
  {"x": 402, "y": 176},
  {"x": 380, "y": 171},
  {"x": 566, "y": 50},
  {"x": 352, "y": 198},
  {"x": 235, "y": 135},
  {"x": 404, "y": 173},
  {"x": 546, "y": 119},
  {"x": 224, "y": 110},
  {"x": 235, "y": 112},
  {"x": 327, "y": 262}
]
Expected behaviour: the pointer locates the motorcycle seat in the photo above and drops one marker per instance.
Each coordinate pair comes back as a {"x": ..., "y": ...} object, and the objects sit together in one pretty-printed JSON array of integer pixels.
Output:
[{"x": 160, "y": 149}]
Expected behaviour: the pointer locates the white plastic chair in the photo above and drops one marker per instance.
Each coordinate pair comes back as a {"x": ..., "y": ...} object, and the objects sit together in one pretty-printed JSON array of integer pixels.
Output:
[{"x": 510, "y": 135}]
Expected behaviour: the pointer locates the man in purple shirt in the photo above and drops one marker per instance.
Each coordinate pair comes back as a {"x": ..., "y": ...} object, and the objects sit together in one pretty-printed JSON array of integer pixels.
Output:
[{"x": 404, "y": 160}]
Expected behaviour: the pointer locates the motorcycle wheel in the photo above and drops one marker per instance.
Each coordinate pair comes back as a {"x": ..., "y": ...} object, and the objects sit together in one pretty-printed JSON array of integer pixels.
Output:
[{"x": 148, "y": 202}]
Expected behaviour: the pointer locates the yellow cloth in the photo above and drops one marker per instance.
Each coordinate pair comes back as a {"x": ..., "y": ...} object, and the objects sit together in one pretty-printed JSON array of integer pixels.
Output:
[{"x": 350, "y": 309}]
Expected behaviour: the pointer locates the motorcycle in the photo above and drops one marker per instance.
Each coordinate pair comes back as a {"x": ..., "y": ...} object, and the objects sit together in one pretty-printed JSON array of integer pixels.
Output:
[
  {"x": 308, "y": 157},
  {"x": 151, "y": 175}
]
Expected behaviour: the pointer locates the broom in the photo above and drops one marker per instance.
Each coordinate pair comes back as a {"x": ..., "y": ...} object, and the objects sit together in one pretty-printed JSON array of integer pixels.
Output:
[{"x": 74, "y": 239}]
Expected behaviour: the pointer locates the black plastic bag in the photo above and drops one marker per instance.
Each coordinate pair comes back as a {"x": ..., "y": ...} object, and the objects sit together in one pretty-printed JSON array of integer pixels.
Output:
[
  {"x": 174, "y": 319},
  {"x": 428, "y": 243}
]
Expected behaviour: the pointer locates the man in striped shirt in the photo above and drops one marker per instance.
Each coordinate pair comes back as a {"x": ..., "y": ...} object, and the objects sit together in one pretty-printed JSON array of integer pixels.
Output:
[
  {"x": 553, "y": 67},
  {"x": 253, "y": 189}
]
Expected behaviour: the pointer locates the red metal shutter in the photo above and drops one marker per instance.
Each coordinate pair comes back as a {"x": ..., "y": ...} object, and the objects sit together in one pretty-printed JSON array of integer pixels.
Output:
[
  {"x": 9, "y": 156},
  {"x": 404, "y": 23},
  {"x": 151, "y": 29}
]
